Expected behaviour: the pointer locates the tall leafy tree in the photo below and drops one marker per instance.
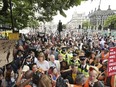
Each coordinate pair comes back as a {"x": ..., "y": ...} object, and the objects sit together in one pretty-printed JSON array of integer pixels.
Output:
[
  {"x": 23, "y": 10},
  {"x": 111, "y": 22},
  {"x": 33, "y": 23},
  {"x": 86, "y": 24}
]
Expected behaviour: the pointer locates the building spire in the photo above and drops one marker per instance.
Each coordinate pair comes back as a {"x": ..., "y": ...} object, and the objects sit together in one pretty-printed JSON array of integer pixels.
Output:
[
  {"x": 109, "y": 7},
  {"x": 99, "y": 7},
  {"x": 95, "y": 9}
]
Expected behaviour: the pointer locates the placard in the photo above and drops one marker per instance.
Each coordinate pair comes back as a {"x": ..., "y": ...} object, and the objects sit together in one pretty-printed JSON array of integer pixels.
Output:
[
  {"x": 13, "y": 36},
  {"x": 112, "y": 62}
]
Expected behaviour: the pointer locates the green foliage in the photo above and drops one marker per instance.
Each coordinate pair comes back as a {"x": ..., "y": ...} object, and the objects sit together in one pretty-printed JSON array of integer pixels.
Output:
[
  {"x": 110, "y": 20},
  {"x": 24, "y": 11},
  {"x": 64, "y": 26},
  {"x": 33, "y": 23},
  {"x": 86, "y": 24}
]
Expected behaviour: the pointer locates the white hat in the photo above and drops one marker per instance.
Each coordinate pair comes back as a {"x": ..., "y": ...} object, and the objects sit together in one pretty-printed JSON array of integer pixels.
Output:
[
  {"x": 105, "y": 60},
  {"x": 25, "y": 68}
]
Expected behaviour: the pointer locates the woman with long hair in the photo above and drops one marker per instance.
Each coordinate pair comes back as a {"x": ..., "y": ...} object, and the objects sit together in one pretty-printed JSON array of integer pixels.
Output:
[{"x": 44, "y": 81}]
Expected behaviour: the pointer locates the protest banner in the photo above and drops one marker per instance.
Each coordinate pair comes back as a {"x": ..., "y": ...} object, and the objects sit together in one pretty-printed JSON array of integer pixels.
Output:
[{"x": 112, "y": 62}]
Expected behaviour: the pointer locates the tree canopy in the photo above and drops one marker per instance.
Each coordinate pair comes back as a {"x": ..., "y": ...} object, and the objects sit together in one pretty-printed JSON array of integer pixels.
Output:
[
  {"x": 86, "y": 24},
  {"x": 110, "y": 22},
  {"x": 24, "y": 10}
]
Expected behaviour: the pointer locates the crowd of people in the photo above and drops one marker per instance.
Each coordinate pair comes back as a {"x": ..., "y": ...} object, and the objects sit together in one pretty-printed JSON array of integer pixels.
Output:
[{"x": 49, "y": 61}]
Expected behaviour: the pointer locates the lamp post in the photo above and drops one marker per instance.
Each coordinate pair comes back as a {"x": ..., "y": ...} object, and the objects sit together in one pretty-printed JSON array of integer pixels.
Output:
[{"x": 59, "y": 28}]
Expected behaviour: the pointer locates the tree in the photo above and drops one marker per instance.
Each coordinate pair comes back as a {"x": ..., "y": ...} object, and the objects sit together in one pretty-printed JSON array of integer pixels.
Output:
[
  {"x": 86, "y": 24},
  {"x": 110, "y": 22},
  {"x": 64, "y": 26},
  {"x": 33, "y": 23},
  {"x": 23, "y": 10}
]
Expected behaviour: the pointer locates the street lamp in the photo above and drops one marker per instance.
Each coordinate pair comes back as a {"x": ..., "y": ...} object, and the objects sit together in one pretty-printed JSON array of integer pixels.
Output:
[{"x": 59, "y": 28}]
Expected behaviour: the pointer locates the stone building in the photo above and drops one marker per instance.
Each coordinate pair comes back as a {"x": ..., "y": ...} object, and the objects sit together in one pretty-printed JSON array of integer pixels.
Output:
[
  {"x": 98, "y": 17},
  {"x": 76, "y": 21}
]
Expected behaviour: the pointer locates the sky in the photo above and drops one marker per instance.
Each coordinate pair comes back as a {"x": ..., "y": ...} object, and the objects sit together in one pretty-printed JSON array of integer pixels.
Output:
[{"x": 85, "y": 7}]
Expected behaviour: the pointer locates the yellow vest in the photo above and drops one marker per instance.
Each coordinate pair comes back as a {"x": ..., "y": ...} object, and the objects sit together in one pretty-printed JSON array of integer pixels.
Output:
[{"x": 84, "y": 71}]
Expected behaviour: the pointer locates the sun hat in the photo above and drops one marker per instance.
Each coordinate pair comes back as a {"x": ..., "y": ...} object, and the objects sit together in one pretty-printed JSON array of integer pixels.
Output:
[{"x": 25, "y": 68}]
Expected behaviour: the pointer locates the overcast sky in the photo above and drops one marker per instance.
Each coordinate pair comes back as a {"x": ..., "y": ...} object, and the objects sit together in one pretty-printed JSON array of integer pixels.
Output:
[{"x": 85, "y": 7}]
